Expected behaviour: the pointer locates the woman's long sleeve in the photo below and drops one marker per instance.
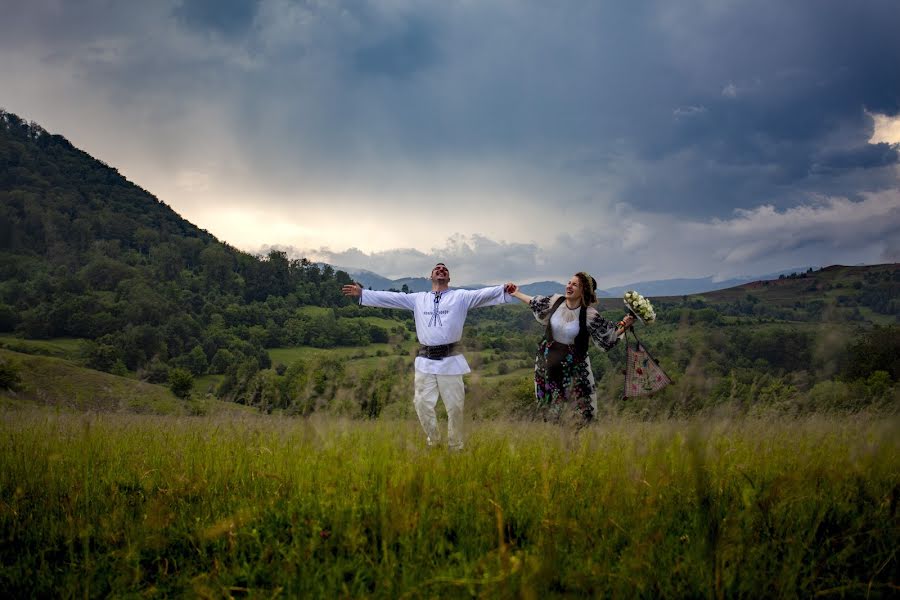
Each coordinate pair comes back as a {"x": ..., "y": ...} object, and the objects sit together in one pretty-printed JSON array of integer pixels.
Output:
[
  {"x": 603, "y": 332},
  {"x": 541, "y": 306}
]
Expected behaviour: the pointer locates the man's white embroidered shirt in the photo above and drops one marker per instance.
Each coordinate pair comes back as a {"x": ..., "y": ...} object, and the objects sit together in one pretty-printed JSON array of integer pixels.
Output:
[{"x": 440, "y": 318}]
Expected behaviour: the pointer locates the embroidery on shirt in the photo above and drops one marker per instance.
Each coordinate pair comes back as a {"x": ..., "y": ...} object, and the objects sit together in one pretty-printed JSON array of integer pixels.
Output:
[{"x": 436, "y": 313}]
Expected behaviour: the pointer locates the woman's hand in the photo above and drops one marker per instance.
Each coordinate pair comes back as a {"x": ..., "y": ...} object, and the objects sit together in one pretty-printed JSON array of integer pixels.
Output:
[
  {"x": 625, "y": 324},
  {"x": 510, "y": 288}
]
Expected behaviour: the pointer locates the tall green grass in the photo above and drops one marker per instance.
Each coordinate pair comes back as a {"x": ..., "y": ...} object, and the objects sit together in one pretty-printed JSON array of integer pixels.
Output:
[{"x": 100, "y": 504}]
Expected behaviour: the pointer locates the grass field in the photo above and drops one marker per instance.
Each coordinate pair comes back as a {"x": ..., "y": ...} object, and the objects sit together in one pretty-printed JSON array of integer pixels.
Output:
[
  {"x": 132, "y": 505},
  {"x": 58, "y": 347},
  {"x": 287, "y": 356},
  {"x": 61, "y": 384}
]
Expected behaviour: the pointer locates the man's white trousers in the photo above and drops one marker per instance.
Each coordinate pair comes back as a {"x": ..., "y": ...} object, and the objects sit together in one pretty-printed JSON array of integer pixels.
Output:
[{"x": 452, "y": 391}]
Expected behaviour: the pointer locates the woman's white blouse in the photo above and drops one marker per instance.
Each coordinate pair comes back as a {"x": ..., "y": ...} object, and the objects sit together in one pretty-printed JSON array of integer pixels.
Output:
[{"x": 564, "y": 324}]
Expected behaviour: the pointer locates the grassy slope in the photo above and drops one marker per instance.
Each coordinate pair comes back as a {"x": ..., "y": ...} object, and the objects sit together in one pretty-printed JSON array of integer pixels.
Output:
[
  {"x": 785, "y": 292},
  {"x": 58, "y": 347},
  {"x": 60, "y": 383}
]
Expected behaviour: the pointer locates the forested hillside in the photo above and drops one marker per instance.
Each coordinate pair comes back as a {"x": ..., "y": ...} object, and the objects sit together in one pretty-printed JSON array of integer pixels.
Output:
[{"x": 84, "y": 253}]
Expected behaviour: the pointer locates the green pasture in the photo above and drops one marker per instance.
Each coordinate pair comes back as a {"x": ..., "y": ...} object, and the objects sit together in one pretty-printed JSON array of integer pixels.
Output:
[
  {"x": 58, "y": 347},
  {"x": 318, "y": 312},
  {"x": 382, "y": 322},
  {"x": 207, "y": 384},
  {"x": 314, "y": 311},
  {"x": 877, "y": 318},
  {"x": 288, "y": 356},
  {"x": 142, "y": 506}
]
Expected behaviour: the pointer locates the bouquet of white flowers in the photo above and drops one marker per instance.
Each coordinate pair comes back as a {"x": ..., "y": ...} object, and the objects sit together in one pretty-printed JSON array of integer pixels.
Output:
[
  {"x": 643, "y": 375},
  {"x": 639, "y": 306}
]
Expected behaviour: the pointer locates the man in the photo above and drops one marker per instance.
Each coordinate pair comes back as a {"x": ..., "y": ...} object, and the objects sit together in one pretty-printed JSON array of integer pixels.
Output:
[{"x": 439, "y": 367}]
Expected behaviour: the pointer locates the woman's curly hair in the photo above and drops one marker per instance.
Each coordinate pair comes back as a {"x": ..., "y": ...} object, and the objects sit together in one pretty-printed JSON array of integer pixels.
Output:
[{"x": 588, "y": 288}]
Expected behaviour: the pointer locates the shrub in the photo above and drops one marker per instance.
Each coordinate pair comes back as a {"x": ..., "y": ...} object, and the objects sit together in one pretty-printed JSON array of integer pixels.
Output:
[
  {"x": 101, "y": 355},
  {"x": 155, "y": 372},
  {"x": 828, "y": 396},
  {"x": 181, "y": 382},
  {"x": 874, "y": 350},
  {"x": 10, "y": 379}
]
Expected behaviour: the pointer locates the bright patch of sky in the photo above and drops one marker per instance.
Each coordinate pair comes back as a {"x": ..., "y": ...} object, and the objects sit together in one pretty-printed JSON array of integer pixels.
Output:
[{"x": 886, "y": 130}]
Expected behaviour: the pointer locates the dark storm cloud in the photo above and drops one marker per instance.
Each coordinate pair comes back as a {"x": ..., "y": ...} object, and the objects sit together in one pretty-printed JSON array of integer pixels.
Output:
[
  {"x": 400, "y": 53},
  {"x": 226, "y": 17},
  {"x": 630, "y": 117},
  {"x": 713, "y": 106},
  {"x": 870, "y": 156},
  {"x": 785, "y": 88}
]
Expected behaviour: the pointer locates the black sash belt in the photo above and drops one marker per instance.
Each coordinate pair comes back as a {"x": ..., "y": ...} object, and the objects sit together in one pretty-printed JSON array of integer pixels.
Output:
[{"x": 437, "y": 352}]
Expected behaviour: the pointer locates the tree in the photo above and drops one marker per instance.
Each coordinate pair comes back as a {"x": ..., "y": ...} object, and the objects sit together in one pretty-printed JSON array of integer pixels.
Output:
[
  {"x": 156, "y": 371},
  {"x": 181, "y": 382},
  {"x": 875, "y": 350},
  {"x": 8, "y": 318},
  {"x": 217, "y": 263},
  {"x": 167, "y": 260},
  {"x": 101, "y": 355},
  {"x": 221, "y": 360},
  {"x": 196, "y": 361}
]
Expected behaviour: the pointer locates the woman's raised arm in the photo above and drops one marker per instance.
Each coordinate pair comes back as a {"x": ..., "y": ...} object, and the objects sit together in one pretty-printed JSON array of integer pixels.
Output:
[{"x": 513, "y": 290}]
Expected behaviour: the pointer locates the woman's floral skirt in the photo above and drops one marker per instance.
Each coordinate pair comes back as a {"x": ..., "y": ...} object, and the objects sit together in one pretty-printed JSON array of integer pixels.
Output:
[{"x": 562, "y": 380}]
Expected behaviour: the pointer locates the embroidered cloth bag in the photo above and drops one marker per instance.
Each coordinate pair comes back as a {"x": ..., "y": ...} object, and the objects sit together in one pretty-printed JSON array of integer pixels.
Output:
[{"x": 643, "y": 375}]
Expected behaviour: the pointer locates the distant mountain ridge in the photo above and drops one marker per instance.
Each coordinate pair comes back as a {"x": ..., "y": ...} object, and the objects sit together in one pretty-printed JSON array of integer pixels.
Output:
[
  {"x": 374, "y": 281},
  {"x": 698, "y": 285},
  {"x": 658, "y": 287}
]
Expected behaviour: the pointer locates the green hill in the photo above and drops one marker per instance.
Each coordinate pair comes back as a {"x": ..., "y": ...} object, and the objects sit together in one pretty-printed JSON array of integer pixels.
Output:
[
  {"x": 59, "y": 383},
  {"x": 841, "y": 294},
  {"x": 85, "y": 254}
]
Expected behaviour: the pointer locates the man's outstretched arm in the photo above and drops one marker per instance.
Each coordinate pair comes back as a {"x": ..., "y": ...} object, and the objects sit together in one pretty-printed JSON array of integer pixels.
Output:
[
  {"x": 489, "y": 296},
  {"x": 379, "y": 299}
]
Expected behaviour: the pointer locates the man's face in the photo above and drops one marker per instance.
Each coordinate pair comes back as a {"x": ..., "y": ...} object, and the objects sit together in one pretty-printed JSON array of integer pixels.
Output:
[{"x": 440, "y": 273}]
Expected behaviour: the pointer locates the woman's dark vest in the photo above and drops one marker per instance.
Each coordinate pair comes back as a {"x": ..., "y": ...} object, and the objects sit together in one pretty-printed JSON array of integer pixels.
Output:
[{"x": 581, "y": 340}]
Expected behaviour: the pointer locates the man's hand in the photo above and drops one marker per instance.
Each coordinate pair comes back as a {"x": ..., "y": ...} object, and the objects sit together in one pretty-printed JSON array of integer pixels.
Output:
[
  {"x": 510, "y": 288},
  {"x": 352, "y": 289}
]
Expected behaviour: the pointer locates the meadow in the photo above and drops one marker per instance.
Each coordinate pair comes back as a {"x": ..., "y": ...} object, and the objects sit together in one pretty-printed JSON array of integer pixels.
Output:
[{"x": 95, "y": 504}]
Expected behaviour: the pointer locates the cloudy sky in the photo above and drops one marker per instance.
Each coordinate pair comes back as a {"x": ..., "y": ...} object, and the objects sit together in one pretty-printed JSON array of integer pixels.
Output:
[{"x": 514, "y": 140}]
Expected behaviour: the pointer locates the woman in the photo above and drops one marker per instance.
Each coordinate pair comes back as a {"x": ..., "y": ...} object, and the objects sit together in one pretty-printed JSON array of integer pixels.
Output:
[{"x": 562, "y": 369}]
